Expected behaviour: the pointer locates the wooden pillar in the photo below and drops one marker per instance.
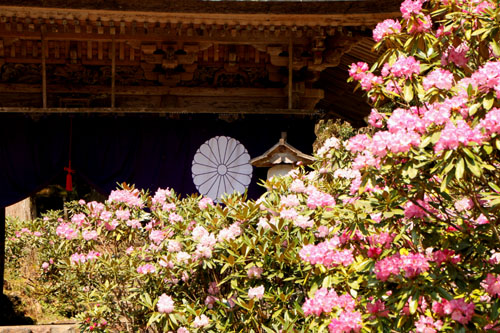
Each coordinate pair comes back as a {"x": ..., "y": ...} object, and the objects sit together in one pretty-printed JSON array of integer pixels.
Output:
[
  {"x": 113, "y": 72},
  {"x": 2, "y": 247},
  {"x": 44, "y": 73},
  {"x": 290, "y": 73}
]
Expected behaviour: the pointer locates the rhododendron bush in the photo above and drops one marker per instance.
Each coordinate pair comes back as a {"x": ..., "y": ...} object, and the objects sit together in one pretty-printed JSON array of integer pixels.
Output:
[{"x": 395, "y": 229}]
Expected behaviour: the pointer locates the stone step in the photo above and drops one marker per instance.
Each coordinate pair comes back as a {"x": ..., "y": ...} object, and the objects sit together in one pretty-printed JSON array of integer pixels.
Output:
[{"x": 67, "y": 328}]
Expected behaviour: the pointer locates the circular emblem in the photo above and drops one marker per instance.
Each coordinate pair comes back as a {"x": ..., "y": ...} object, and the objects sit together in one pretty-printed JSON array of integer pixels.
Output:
[{"x": 221, "y": 166}]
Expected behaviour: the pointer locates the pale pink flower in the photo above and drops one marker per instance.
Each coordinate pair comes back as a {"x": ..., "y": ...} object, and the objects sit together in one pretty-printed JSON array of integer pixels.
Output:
[
  {"x": 45, "y": 266},
  {"x": 426, "y": 324},
  {"x": 165, "y": 304},
  {"x": 254, "y": 272},
  {"x": 134, "y": 224},
  {"x": 122, "y": 214},
  {"x": 145, "y": 269},
  {"x": 89, "y": 235},
  {"x": 264, "y": 223},
  {"x": 78, "y": 219},
  {"x": 290, "y": 200},
  {"x": 201, "y": 321},
  {"x": 205, "y": 202},
  {"x": 198, "y": 233},
  {"x": 157, "y": 236},
  {"x": 303, "y": 222},
  {"x": 183, "y": 257},
  {"x": 161, "y": 196},
  {"x": 128, "y": 197},
  {"x": 174, "y": 246},
  {"x": 297, "y": 186},
  {"x": 256, "y": 292},
  {"x": 357, "y": 70},
  {"x": 174, "y": 217}
]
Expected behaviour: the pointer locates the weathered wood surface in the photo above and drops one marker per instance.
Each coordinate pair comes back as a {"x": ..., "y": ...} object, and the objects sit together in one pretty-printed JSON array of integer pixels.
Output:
[
  {"x": 22, "y": 210},
  {"x": 166, "y": 110},
  {"x": 229, "y": 7}
]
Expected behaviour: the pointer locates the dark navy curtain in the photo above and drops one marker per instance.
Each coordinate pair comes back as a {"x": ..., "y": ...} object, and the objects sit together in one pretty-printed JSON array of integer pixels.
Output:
[{"x": 148, "y": 151}]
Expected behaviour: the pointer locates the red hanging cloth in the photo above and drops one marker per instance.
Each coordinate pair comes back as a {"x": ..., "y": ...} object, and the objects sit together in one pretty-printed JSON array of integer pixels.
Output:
[{"x": 69, "y": 177}]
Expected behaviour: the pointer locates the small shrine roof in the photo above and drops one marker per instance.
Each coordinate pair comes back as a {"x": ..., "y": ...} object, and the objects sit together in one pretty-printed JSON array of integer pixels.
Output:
[{"x": 281, "y": 153}]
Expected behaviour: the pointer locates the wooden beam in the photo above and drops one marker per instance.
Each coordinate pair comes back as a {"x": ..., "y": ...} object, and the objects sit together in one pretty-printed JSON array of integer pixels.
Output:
[
  {"x": 158, "y": 91},
  {"x": 113, "y": 73},
  {"x": 318, "y": 18},
  {"x": 260, "y": 111},
  {"x": 290, "y": 73},
  {"x": 44, "y": 73},
  {"x": 219, "y": 36}
]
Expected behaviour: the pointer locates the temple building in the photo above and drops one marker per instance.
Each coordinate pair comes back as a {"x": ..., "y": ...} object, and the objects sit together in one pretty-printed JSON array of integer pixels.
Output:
[{"x": 179, "y": 94}]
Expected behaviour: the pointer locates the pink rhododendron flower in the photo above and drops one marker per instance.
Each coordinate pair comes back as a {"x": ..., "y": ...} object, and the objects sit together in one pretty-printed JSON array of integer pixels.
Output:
[
  {"x": 491, "y": 122},
  {"x": 165, "y": 304},
  {"x": 78, "y": 258},
  {"x": 405, "y": 67},
  {"x": 213, "y": 288},
  {"x": 134, "y": 224},
  {"x": 183, "y": 257},
  {"x": 290, "y": 200},
  {"x": 45, "y": 266},
  {"x": 492, "y": 285},
  {"x": 205, "y": 202},
  {"x": 174, "y": 218},
  {"x": 157, "y": 236},
  {"x": 210, "y": 301},
  {"x": 426, "y": 324},
  {"x": 347, "y": 321},
  {"x": 375, "y": 118},
  {"x": 230, "y": 233},
  {"x": 174, "y": 246},
  {"x": 264, "y": 223},
  {"x": 198, "y": 233},
  {"x": 357, "y": 70},
  {"x": 377, "y": 308},
  {"x": 325, "y": 253},
  {"x": 78, "y": 219},
  {"x": 89, "y": 235},
  {"x": 93, "y": 255},
  {"x": 297, "y": 186},
  {"x": 106, "y": 215},
  {"x": 201, "y": 321},
  {"x": 409, "y": 7},
  {"x": 420, "y": 24},
  {"x": 439, "y": 78},
  {"x": 445, "y": 255},
  {"x": 318, "y": 198},
  {"x": 303, "y": 222},
  {"x": 130, "y": 198},
  {"x": 254, "y": 272},
  {"x": 464, "y": 204},
  {"x": 329, "y": 144},
  {"x": 454, "y": 135},
  {"x": 123, "y": 214},
  {"x": 64, "y": 230},
  {"x": 290, "y": 214},
  {"x": 386, "y": 28},
  {"x": 161, "y": 196},
  {"x": 257, "y": 292},
  {"x": 455, "y": 55},
  {"x": 145, "y": 269}
]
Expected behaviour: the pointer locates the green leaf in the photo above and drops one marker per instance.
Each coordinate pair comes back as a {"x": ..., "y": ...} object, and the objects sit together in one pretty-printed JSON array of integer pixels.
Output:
[
  {"x": 414, "y": 305},
  {"x": 459, "y": 171},
  {"x": 488, "y": 101},
  {"x": 495, "y": 48},
  {"x": 494, "y": 187},
  {"x": 408, "y": 91}
]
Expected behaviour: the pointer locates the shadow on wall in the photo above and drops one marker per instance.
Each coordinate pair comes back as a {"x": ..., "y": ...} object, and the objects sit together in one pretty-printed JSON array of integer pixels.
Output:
[{"x": 11, "y": 313}]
